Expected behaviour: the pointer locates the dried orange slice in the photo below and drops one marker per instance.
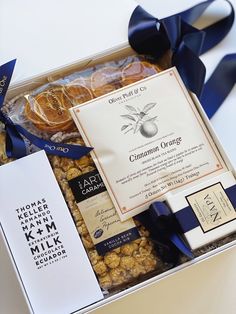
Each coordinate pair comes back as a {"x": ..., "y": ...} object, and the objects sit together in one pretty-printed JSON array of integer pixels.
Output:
[
  {"x": 138, "y": 70},
  {"x": 78, "y": 93},
  {"x": 105, "y": 80},
  {"x": 105, "y": 76},
  {"x": 31, "y": 115},
  {"x": 52, "y": 106},
  {"x": 48, "y": 111},
  {"x": 41, "y": 125},
  {"x": 69, "y": 126},
  {"x": 105, "y": 89}
]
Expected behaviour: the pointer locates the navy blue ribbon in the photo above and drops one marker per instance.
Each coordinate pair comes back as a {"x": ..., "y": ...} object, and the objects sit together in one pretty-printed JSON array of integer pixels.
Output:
[
  {"x": 15, "y": 144},
  {"x": 164, "y": 232},
  {"x": 219, "y": 85},
  {"x": 154, "y": 37},
  {"x": 187, "y": 219},
  {"x": 151, "y": 36}
]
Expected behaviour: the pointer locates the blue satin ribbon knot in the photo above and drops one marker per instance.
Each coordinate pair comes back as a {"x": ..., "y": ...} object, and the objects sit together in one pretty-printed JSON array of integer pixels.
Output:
[{"x": 164, "y": 232}]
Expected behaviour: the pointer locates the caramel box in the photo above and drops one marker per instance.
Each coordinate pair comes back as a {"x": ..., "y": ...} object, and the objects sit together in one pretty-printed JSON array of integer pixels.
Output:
[{"x": 202, "y": 254}]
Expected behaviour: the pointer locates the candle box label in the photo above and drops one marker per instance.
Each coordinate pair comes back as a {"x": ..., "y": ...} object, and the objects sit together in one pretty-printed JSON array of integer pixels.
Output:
[
  {"x": 212, "y": 207},
  {"x": 48, "y": 254},
  {"x": 105, "y": 228},
  {"x": 148, "y": 139}
]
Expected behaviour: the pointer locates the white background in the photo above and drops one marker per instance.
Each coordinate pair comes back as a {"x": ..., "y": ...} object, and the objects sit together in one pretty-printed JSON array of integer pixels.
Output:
[{"x": 49, "y": 33}]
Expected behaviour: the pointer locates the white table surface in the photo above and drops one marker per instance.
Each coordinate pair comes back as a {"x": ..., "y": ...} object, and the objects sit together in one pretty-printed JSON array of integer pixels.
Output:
[{"x": 68, "y": 30}]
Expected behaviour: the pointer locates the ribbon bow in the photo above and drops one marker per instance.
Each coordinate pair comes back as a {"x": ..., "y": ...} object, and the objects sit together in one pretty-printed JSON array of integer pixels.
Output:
[
  {"x": 15, "y": 144},
  {"x": 148, "y": 35},
  {"x": 165, "y": 232}
]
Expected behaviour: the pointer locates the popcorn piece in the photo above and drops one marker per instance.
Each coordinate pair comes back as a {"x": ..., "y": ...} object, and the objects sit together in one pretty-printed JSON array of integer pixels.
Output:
[
  {"x": 149, "y": 263},
  {"x": 105, "y": 281},
  {"x": 117, "y": 275},
  {"x": 112, "y": 260},
  {"x": 60, "y": 175},
  {"x": 143, "y": 242},
  {"x": 137, "y": 270},
  {"x": 129, "y": 248},
  {"x": 117, "y": 250},
  {"x": 94, "y": 257},
  {"x": 66, "y": 164},
  {"x": 73, "y": 173},
  {"x": 83, "y": 230},
  {"x": 87, "y": 241},
  {"x": 127, "y": 262},
  {"x": 100, "y": 268},
  {"x": 83, "y": 162},
  {"x": 77, "y": 215}
]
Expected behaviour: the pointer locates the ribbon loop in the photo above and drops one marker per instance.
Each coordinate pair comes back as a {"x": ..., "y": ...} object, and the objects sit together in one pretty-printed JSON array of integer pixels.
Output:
[
  {"x": 216, "y": 32},
  {"x": 186, "y": 42},
  {"x": 191, "y": 15},
  {"x": 146, "y": 34}
]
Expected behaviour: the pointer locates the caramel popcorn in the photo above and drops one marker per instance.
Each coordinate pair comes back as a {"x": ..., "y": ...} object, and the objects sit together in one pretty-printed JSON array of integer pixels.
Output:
[
  {"x": 94, "y": 257},
  {"x": 127, "y": 262},
  {"x": 118, "y": 275},
  {"x": 3, "y": 157},
  {"x": 112, "y": 260},
  {"x": 72, "y": 173},
  {"x": 120, "y": 265},
  {"x": 129, "y": 248},
  {"x": 83, "y": 230},
  {"x": 105, "y": 281},
  {"x": 100, "y": 268},
  {"x": 137, "y": 270}
]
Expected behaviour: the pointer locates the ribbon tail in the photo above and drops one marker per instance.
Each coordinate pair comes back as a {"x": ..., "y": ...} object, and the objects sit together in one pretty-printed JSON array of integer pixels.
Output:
[
  {"x": 6, "y": 71},
  {"x": 59, "y": 149},
  {"x": 180, "y": 244},
  {"x": 15, "y": 145},
  {"x": 219, "y": 85}
]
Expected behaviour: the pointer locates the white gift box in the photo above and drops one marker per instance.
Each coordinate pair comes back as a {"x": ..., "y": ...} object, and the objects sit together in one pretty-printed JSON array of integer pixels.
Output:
[
  {"x": 35, "y": 80},
  {"x": 32, "y": 83}
]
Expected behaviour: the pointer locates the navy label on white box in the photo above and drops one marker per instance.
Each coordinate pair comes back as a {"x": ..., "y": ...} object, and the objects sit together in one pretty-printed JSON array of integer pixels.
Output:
[
  {"x": 100, "y": 216},
  {"x": 212, "y": 207}
]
